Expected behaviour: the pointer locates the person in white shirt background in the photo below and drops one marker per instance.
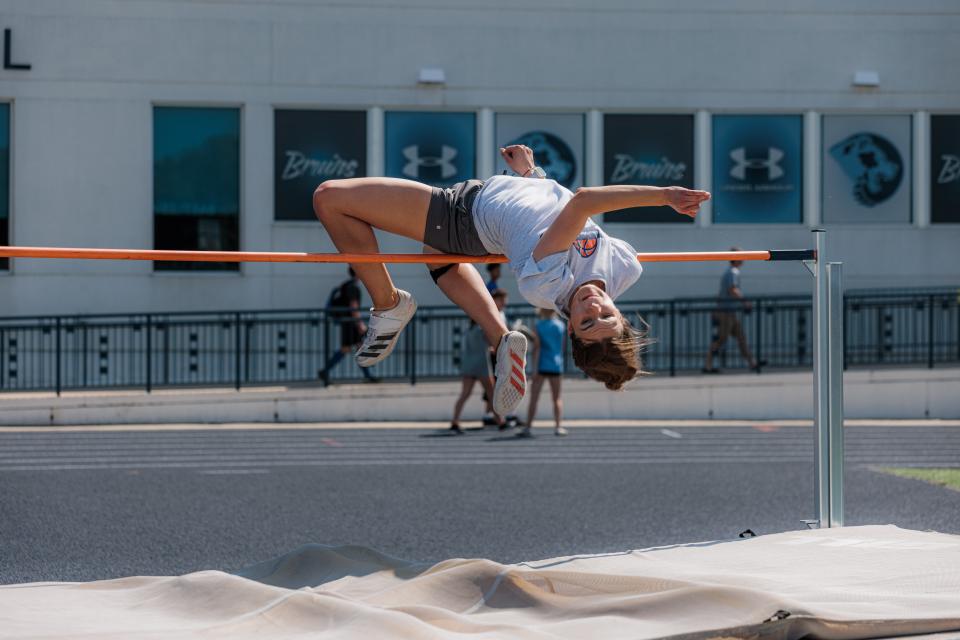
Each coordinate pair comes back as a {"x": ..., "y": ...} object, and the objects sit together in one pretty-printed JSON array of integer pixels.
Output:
[{"x": 562, "y": 260}]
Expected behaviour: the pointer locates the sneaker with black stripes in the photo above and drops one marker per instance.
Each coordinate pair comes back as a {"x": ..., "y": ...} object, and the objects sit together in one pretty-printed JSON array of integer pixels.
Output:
[
  {"x": 383, "y": 330},
  {"x": 511, "y": 381}
]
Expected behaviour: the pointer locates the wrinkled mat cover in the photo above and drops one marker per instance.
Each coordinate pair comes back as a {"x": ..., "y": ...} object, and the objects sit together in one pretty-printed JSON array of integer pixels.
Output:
[{"x": 855, "y": 582}]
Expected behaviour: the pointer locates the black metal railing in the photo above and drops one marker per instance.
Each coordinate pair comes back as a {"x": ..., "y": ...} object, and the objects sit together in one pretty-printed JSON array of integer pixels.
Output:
[{"x": 146, "y": 351}]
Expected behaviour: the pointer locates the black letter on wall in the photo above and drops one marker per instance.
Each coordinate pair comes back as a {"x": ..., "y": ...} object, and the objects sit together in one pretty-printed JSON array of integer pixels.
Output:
[{"x": 7, "y": 45}]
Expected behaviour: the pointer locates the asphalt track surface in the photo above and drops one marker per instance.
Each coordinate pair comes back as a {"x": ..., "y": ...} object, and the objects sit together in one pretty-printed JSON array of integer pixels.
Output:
[{"x": 84, "y": 505}]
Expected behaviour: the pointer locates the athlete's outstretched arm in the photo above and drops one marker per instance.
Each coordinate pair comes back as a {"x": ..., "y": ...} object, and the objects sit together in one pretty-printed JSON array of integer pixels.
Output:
[{"x": 589, "y": 201}]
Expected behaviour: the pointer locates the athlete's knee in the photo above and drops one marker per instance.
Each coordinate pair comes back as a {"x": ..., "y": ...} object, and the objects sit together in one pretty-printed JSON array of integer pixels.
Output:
[{"x": 324, "y": 197}]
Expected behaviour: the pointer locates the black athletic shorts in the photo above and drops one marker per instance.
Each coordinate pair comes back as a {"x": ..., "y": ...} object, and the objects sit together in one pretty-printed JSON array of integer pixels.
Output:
[{"x": 450, "y": 227}]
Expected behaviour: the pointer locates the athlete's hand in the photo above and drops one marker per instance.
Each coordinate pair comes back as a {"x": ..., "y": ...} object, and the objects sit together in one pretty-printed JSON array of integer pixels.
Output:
[
  {"x": 686, "y": 201},
  {"x": 519, "y": 158}
]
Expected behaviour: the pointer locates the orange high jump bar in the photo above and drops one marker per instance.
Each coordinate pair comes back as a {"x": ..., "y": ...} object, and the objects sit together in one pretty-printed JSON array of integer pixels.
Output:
[{"x": 359, "y": 258}]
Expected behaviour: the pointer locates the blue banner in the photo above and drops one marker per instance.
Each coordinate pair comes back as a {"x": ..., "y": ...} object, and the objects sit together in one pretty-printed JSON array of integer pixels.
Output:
[
  {"x": 758, "y": 169},
  {"x": 436, "y": 148}
]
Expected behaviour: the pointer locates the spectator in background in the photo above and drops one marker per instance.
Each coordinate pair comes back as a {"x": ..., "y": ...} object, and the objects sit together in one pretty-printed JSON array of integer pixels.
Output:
[
  {"x": 474, "y": 367},
  {"x": 493, "y": 273},
  {"x": 549, "y": 334},
  {"x": 343, "y": 305},
  {"x": 727, "y": 319}
]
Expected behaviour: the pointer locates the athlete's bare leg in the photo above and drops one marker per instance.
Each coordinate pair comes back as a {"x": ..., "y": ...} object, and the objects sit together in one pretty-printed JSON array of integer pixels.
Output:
[
  {"x": 464, "y": 285},
  {"x": 351, "y": 209}
]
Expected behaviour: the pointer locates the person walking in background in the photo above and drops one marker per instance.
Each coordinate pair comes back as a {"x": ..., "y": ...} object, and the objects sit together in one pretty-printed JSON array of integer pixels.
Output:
[
  {"x": 727, "y": 319},
  {"x": 549, "y": 333},
  {"x": 474, "y": 367},
  {"x": 343, "y": 305}
]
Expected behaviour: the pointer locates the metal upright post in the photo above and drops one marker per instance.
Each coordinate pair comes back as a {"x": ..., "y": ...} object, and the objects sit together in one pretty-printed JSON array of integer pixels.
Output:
[
  {"x": 821, "y": 384},
  {"x": 835, "y": 402}
]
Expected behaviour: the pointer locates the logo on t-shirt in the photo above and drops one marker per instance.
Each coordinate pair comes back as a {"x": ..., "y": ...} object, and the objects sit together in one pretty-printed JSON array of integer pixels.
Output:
[{"x": 587, "y": 246}]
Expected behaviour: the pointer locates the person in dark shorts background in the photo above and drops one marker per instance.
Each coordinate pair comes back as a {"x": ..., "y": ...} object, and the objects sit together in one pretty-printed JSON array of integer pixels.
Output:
[
  {"x": 549, "y": 334},
  {"x": 474, "y": 367},
  {"x": 344, "y": 306}
]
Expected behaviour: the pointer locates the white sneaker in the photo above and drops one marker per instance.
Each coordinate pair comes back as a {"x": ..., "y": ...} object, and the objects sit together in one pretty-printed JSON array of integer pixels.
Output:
[
  {"x": 511, "y": 381},
  {"x": 383, "y": 330}
]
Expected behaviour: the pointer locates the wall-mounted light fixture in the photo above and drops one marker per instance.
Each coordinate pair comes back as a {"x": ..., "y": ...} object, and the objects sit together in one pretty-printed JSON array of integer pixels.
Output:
[
  {"x": 432, "y": 75},
  {"x": 866, "y": 79}
]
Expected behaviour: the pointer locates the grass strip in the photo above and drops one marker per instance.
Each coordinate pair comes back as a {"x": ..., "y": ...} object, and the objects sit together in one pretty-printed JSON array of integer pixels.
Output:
[{"x": 949, "y": 478}]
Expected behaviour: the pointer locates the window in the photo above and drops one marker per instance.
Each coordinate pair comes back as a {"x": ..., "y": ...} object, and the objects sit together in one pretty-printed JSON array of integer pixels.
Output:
[
  {"x": 945, "y": 169},
  {"x": 310, "y": 147},
  {"x": 655, "y": 150},
  {"x": 196, "y": 183},
  {"x": 4, "y": 180},
  {"x": 438, "y": 149},
  {"x": 556, "y": 139},
  {"x": 867, "y": 169},
  {"x": 758, "y": 169}
]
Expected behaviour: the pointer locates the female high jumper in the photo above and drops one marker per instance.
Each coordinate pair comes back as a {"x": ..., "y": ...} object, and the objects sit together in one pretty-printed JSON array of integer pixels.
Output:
[{"x": 562, "y": 260}]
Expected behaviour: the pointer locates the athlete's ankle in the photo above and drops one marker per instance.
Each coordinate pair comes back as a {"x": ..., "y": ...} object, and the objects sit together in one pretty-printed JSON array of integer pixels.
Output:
[{"x": 394, "y": 301}]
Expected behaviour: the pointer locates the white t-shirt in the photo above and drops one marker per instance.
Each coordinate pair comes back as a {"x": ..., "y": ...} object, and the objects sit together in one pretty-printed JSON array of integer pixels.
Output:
[{"x": 512, "y": 213}]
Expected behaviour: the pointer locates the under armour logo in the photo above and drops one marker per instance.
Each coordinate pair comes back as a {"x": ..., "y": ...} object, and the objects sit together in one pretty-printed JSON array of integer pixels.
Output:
[
  {"x": 771, "y": 163},
  {"x": 412, "y": 168},
  {"x": 950, "y": 171}
]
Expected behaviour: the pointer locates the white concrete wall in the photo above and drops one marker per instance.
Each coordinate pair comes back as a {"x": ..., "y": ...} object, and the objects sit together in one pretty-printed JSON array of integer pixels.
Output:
[
  {"x": 82, "y": 118},
  {"x": 881, "y": 394}
]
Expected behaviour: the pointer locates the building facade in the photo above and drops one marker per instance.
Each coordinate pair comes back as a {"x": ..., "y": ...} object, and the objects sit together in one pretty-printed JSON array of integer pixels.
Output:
[{"x": 205, "y": 125}]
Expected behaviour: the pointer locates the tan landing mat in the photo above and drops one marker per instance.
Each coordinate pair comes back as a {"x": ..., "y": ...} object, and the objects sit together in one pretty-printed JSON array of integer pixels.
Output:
[{"x": 856, "y": 582}]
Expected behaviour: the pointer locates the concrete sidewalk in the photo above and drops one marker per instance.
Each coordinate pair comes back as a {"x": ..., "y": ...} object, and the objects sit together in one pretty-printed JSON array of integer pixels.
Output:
[{"x": 868, "y": 394}]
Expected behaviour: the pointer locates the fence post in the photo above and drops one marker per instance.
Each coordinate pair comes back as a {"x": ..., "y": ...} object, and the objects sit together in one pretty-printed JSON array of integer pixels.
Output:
[
  {"x": 673, "y": 338},
  {"x": 236, "y": 348},
  {"x": 325, "y": 353},
  {"x": 412, "y": 352},
  {"x": 881, "y": 331},
  {"x": 58, "y": 357},
  {"x": 759, "y": 330},
  {"x": 930, "y": 325},
  {"x": 149, "y": 328},
  {"x": 165, "y": 326}
]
